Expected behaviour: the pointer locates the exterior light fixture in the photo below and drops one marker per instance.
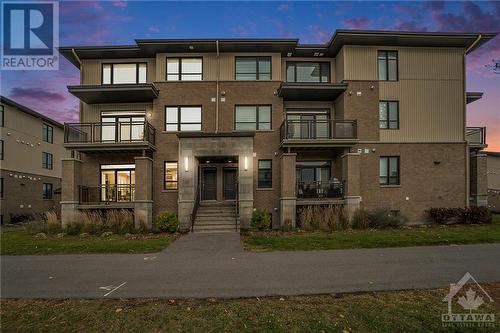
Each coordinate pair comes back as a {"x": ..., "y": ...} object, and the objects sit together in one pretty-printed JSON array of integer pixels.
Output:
[
  {"x": 191, "y": 47},
  {"x": 186, "y": 164},
  {"x": 245, "y": 165}
]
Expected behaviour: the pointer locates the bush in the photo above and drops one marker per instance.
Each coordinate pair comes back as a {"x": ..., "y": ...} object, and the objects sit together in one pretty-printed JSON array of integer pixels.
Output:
[
  {"x": 470, "y": 215},
  {"x": 325, "y": 218},
  {"x": 120, "y": 221},
  {"x": 167, "y": 221},
  {"x": 53, "y": 224},
  {"x": 260, "y": 220},
  {"x": 379, "y": 218}
]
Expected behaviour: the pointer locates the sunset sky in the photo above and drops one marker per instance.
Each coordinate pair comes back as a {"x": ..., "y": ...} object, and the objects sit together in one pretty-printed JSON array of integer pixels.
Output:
[{"x": 120, "y": 22}]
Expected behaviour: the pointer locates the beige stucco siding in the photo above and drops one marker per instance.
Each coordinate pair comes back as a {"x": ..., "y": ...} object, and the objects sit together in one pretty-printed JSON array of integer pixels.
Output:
[
  {"x": 227, "y": 64},
  {"x": 91, "y": 70},
  {"x": 429, "y": 91},
  {"x": 92, "y": 112},
  {"x": 339, "y": 66},
  {"x": 493, "y": 172},
  {"x": 23, "y": 144}
]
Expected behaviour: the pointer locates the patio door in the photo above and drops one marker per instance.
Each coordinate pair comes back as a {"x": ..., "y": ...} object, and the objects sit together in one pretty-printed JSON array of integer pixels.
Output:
[
  {"x": 121, "y": 127},
  {"x": 118, "y": 182},
  {"x": 308, "y": 125}
]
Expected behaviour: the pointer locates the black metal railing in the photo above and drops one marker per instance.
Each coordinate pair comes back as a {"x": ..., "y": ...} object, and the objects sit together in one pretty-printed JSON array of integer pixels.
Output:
[
  {"x": 106, "y": 194},
  {"x": 236, "y": 206},
  {"x": 319, "y": 189},
  {"x": 475, "y": 135},
  {"x": 318, "y": 129},
  {"x": 122, "y": 132},
  {"x": 195, "y": 207}
]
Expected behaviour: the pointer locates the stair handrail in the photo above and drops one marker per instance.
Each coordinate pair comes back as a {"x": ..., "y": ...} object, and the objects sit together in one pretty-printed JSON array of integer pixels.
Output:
[
  {"x": 236, "y": 208},
  {"x": 195, "y": 207}
]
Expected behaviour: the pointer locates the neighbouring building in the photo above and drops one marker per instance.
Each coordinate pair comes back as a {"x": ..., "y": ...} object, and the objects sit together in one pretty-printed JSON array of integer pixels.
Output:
[
  {"x": 31, "y": 148},
  {"x": 370, "y": 119},
  {"x": 493, "y": 167}
]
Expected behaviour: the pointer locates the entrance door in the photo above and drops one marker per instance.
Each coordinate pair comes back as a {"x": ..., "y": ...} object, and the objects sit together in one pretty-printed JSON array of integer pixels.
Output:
[
  {"x": 229, "y": 180},
  {"x": 209, "y": 184}
]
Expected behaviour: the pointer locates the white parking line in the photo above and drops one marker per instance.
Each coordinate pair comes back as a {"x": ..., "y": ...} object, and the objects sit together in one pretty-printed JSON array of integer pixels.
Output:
[{"x": 124, "y": 283}]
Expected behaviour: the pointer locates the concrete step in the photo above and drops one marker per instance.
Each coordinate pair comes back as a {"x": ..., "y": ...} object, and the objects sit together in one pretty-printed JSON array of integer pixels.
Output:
[
  {"x": 221, "y": 228},
  {"x": 215, "y": 222},
  {"x": 215, "y": 216},
  {"x": 215, "y": 212}
]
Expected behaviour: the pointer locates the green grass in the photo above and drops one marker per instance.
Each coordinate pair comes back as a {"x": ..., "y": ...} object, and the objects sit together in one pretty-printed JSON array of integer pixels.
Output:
[
  {"x": 402, "y": 311},
  {"x": 21, "y": 242},
  {"x": 438, "y": 235}
]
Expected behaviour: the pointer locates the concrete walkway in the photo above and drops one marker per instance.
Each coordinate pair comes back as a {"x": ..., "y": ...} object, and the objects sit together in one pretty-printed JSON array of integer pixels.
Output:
[{"x": 214, "y": 265}]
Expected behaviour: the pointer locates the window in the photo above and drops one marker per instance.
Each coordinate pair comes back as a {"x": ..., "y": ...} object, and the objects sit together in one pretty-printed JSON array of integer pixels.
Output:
[
  {"x": 182, "y": 118},
  {"x": 184, "y": 69},
  {"x": 388, "y": 65},
  {"x": 170, "y": 176},
  {"x": 47, "y": 133},
  {"x": 1, "y": 149},
  {"x": 388, "y": 114},
  {"x": 132, "y": 73},
  {"x": 252, "y": 117},
  {"x": 1, "y": 115},
  {"x": 47, "y": 161},
  {"x": 389, "y": 170},
  {"x": 265, "y": 174},
  {"x": 308, "y": 72},
  {"x": 117, "y": 182},
  {"x": 253, "y": 68},
  {"x": 1, "y": 187},
  {"x": 47, "y": 191}
]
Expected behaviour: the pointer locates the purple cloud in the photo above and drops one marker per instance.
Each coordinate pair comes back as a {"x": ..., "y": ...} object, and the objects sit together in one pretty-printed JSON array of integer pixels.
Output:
[
  {"x": 36, "y": 93},
  {"x": 356, "y": 23}
]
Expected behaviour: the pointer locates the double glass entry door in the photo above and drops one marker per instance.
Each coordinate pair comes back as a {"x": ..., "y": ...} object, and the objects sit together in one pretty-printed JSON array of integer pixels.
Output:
[
  {"x": 122, "y": 128},
  {"x": 308, "y": 126},
  {"x": 117, "y": 185}
]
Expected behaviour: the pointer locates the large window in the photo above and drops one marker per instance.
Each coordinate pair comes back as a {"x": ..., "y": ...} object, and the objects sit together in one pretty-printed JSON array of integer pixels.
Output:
[
  {"x": 182, "y": 118},
  {"x": 389, "y": 170},
  {"x": 47, "y": 161},
  {"x": 253, "y": 68},
  {"x": 184, "y": 69},
  {"x": 47, "y": 191},
  {"x": 47, "y": 133},
  {"x": 170, "y": 176},
  {"x": 1, "y": 115},
  {"x": 308, "y": 72},
  {"x": 265, "y": 174},
  {"x": 118, "y": 182},
  {"x": 122, "y": 126},
  {"x": 388, "y": 114},
  {"x": 252, "y": 117},
  {"x": 388, "y": 65},
  {"x": 132, "y": 73}
]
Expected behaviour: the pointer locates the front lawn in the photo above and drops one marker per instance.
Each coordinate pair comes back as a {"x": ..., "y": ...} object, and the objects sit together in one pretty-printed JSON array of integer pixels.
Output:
[
  {"x": 402, "y": 311},
  {"x": 21, "y": 242},
  {"x": 435, "y": 235}
]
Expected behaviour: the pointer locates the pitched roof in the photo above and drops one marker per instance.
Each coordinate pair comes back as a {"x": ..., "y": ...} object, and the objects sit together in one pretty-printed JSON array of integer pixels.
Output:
[{"x": 29, "y": 111}]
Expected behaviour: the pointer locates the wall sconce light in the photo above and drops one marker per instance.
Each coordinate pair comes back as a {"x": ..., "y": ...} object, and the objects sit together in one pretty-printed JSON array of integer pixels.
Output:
[
  {"x": 245, "y": 164},
  {"x": 186, "y": 164}
]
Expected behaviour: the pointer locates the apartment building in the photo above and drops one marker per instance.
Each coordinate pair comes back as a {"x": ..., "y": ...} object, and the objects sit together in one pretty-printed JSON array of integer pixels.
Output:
[
  {"x": 31, "y": 148},
  {"x": 493, "y": 176},
  {"x": 369, "y": 119}
]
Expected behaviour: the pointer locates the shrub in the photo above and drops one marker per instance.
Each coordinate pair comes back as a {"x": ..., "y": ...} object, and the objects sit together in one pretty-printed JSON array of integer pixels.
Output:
[
  {"x": 167, "y": 221},
  {"x": 260, "y": 219},
  {"x": 470, "y": 215},
  {"x": 379, "y": 218},
  {"x": 120, "y": 221},
  {"x": 326, "y": 218},
  {"x": 53, "y": 225}
]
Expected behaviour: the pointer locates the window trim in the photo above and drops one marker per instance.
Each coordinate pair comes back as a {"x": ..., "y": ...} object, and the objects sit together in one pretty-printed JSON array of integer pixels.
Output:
[
  {"x": 259, "y": 186},
  {"x": 387, "y": 65},
  {"x": 179, "y": 107},
  {"x": 44, "y": 197},
  {"x": 388, "y": 121},
  {"x": 45, "y": 164},
  {"x": 180, "y": 69},
  {"x": 257, "y": 129},
  {"x": 170, "y": 181},
  {"x": 295, "y": 71},
  {"x": 257, "y": 73},
  {"x": 388, "y": 183},
  {"x": 111, "y": 78},
  {"x": 44, "y": 127}
]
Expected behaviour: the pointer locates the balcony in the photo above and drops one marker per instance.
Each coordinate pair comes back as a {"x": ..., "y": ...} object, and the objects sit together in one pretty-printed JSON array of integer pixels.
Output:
[
  {"x": 311, "y": 91},
  {"x": 476, "y": 137},
  {"x": 115, "y": 93},
  {"x": 119, "y": 136},
  {"x": 107, "y": 196},
  {"x": 319, "y": 192},
  {"x": 318, "y": 133}
]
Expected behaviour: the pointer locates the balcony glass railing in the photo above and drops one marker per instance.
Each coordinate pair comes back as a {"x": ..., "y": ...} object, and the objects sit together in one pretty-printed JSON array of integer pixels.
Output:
[
  {"x": 122, "y": 132},
  {"x": 318, "y": 129}
]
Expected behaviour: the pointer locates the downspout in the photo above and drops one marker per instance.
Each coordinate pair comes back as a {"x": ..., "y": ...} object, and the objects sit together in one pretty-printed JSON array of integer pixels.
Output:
[
  {"x": 217, "y": 89},
  {"x": 467, "y": 152}
]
